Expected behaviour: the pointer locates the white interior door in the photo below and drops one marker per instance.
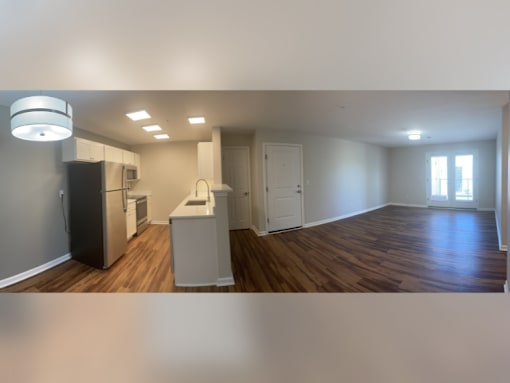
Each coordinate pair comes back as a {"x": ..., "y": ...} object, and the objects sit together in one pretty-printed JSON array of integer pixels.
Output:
[
  {"x": 236, "y": 174},
  {"x": 452, "y": 180},
  {"x": 283, "y": 186}
]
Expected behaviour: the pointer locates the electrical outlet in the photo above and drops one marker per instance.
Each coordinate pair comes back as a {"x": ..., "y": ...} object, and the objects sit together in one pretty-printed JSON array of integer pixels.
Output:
[{"x": 60, "y": 194}]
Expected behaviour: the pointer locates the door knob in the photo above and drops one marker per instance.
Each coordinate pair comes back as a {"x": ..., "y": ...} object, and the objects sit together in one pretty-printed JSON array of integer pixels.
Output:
[
  {"x": 299, "y": 191},
  {"x": 246, "y": 193}
]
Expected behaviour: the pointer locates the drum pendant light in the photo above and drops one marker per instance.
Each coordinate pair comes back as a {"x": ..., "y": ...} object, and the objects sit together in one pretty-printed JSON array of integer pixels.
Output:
[{"x": 41, "y": 118}]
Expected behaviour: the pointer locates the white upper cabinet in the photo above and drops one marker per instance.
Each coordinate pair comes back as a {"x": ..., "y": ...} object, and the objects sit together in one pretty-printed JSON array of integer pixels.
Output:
[
  {"x": 205, "y": 160},
  {"x": 79, "y": 149},
  {"x": 112, "y": 154},
  {"x": 128, "y": 157}
]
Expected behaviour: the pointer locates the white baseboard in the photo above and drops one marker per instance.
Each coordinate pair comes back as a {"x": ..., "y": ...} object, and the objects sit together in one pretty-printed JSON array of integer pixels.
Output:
[
  {"x": 226, "y": 281},
  {"x": 502, "y": 246},
  {"x": 333, "y": 219},
  {"x": 505, "y": 287},
  {"x": 159, "y": 222},
  {"x": 256, "y": 231},
  {"x": 405, "y": 205},
  {"x": 195, "y": 284},
  {"x": 33, "y": 272}
]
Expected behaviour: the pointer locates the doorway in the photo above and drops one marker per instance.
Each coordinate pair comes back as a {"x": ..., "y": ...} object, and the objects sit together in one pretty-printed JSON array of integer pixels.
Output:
[
  {"x": 452, "y": 180},
  {"x": 284, "y": 192},
  {"x": 236, "y": 174}
]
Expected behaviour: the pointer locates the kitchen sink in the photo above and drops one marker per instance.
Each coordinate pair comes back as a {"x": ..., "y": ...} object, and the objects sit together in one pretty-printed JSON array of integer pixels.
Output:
[{"x": 195, "y": 202}]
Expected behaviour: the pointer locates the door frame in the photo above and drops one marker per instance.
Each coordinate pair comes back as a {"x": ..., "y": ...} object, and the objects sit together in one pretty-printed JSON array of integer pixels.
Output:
[
  {"x": 247, "y": 148},
  {"x": 265, "y": 145},
  {"x": 452, "y": 202}
]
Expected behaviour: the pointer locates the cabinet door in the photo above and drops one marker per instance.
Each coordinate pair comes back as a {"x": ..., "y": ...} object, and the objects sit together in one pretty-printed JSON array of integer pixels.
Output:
[
  {"x": 131, "y": 220},
  {"x": 128, "y": 157},
  {"x": 97, "y": 151},
  {"x": 82, "y": 150},
  {"x": 79, "y": 149},
  {"x": 112, "y": 154}
]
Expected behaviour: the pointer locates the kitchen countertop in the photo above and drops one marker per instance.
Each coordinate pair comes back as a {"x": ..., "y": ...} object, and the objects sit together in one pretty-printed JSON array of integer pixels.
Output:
[{"x": 204, "y": 211}]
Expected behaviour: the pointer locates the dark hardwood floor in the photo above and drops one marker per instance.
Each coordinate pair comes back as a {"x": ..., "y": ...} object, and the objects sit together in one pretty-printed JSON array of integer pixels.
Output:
[{"x": 393, "y": 249}]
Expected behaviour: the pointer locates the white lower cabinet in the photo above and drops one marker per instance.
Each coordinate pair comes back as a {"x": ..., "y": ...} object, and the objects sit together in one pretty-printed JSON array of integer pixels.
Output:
[
  {"x": 131, "y": 219},
  {"x": 193, "y": 251}
]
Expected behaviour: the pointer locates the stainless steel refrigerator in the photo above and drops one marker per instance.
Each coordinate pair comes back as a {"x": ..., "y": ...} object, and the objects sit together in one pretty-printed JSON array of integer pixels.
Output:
[{"x": 97, "y": 212}]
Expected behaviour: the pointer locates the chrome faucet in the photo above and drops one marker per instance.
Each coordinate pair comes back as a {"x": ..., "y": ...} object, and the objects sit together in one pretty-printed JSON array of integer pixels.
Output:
[{"x": 208, "y": 192}]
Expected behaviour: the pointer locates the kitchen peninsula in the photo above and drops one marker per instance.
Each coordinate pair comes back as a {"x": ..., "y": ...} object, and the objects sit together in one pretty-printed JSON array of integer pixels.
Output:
[{"x": 200, "y": 242}]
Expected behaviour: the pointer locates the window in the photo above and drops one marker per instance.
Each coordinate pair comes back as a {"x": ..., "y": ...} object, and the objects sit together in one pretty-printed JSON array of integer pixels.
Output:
[{"x": 451, "y": 179}]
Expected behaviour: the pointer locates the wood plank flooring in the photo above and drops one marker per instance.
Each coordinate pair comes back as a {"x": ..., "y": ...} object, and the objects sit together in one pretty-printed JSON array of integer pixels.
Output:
[{"x": 393, "y": 249}]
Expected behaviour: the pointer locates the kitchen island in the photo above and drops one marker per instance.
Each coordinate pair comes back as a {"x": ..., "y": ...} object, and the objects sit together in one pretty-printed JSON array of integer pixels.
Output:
[{"x": 199, "y": 237}]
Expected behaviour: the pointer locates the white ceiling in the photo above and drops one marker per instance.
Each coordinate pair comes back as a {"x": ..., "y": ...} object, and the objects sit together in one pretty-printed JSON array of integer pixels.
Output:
[
  {"x": 378, "y": 117},
  {"x": 322, "y": 69}
]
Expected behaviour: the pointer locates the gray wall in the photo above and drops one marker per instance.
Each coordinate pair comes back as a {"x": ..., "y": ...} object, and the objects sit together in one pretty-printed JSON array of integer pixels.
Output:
[
  {"x": 502, "y": 179},
  {"x": 340, "y": 177},
  {"x": 169, "y": 171},
  {"x": 31, "y": 224},
  {"x": 408, "y": 172}
]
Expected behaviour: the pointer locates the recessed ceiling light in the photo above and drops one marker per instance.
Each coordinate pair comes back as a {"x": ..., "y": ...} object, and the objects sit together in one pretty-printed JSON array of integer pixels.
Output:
[
  {"x": 196, "y": 120},
  {"x": 414, "y": 136},
  {"x": 140, "y": 115},
  {"x": 161, "y": 136},
  {"x": 151, "y": 128}
]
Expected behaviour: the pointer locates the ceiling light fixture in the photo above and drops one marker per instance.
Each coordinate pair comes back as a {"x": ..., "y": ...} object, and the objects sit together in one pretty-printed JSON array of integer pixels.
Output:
[
  {"x": 414, "y": 136},
  {"x": 196, "y": 120},
  {"x": 161, "y": 136},
  {"x": 140, "y": 115},
  {"x": 151, "y": 128},
  {"x": 41, "y": 118}
]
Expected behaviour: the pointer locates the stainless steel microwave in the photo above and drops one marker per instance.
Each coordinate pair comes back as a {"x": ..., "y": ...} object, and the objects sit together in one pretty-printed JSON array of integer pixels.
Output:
[{"x": 131, "y": 173}]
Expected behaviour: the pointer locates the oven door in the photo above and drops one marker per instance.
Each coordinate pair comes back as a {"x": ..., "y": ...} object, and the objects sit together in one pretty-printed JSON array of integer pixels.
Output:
[{"x": 141, "y": 215}]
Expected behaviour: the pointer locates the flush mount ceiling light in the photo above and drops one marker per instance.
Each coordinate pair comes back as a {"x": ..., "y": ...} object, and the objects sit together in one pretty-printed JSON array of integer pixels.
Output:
[
  {"x": 414, "y": 136},
  {"x": 196, "y": 120},
  {"x": 140, "y": 115},
  {"x": 151, "y": 128},
  {"x": 41, "y": 118},
  {"x": 161, "y": 136}
]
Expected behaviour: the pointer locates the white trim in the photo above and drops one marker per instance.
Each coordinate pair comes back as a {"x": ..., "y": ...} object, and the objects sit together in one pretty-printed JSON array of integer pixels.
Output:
[
  {"x": 406, "y": 205},
  {"x": 333, "y": 219},
  {"x": 505, "y": 287},
  {"x": 194, "y": 284},
  {"x": 226, "y": 281},
  {"x": 265, "y": 145},
  {"x": 257, "y": 232},
  {"x": 502, "y": 247},
  {"x": 33, "y": 272},
  {"x": 153, "y": 222},
  {"x": 247, "y": 148}
]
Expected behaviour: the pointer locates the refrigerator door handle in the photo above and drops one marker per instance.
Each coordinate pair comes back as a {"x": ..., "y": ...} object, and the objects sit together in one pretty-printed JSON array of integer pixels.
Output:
[{"x": 124, "y": 189}]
